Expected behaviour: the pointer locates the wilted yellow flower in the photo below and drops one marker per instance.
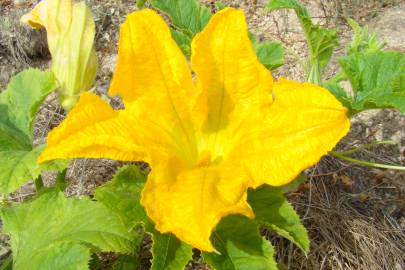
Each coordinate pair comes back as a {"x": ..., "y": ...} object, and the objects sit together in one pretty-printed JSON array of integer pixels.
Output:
[
  {"x": 207, "y": 142},
  {"x": 70, "y": 32}
]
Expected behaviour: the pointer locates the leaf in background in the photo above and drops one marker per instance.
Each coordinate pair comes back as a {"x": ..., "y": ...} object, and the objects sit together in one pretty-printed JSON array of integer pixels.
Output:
[
  {"x": 126, "y": 262},
  {"x": 140, "y": 3},
  {"x": 378, "y": 80},
  {"x": 54, "y": 232},
  {"x": 19, "y": 104},
  {"x": 321, "y": 41},
  {"x": 188, "y": 16},
  {"x": 274, "y": 212},
  {"x": 122, "y": 196},
  {"x": 362, "y": 41},
  {"x": 239, "y": 246},
  {"x": 183, "y": 41},
  {"x": 270, "y": 54}
]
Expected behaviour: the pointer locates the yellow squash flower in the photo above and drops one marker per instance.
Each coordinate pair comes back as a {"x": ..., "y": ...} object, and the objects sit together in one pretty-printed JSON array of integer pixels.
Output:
[
  {"x": 209, "y": 140},
  {"x": 70, "y": 32}
]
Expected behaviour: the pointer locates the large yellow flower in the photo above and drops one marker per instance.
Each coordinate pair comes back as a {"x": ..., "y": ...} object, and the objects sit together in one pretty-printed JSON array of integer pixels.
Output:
[{"x": 206, "y": 141}]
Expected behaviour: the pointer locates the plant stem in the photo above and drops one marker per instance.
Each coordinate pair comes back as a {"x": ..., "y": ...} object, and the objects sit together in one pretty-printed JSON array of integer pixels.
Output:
[
  {"x": 367, "y": 163},
  {"x": 314, "y": 75},
  {"x": 365, "y": 146}
]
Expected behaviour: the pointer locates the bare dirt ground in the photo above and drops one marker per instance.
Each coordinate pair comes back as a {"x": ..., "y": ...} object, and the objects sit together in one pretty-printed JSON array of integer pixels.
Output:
[{"x": 355, "y": 215}]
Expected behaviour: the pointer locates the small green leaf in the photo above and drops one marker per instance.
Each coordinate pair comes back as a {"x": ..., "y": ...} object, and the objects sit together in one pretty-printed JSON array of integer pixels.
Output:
[
  {"x": 140, "y": 3},
  {"x": 321, "y": 41},
  {"x": 377, "y": 79},
  {"x": 294, "y": 185},
  {"x": 18, "y": 107},
  {"x": 239, "y": 246},
  {"x": 183, "y": 41},
  {"x": 274, "y": 212},
  {"x": 54, "y": 232},
  {"x": 23, "y": 96},
  {"x": 188, "y": 16},
  {"x": 219, "y": 5},
  {"x": 270, "y": 54},
  {"x": 169, "y": 253},
  {"x": 362, "y": 41}
]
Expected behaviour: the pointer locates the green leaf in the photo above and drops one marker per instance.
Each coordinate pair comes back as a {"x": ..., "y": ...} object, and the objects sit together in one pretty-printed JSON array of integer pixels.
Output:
[
  {"x": 270, "y": 54},
  {"x": 294, "y": 185},
  {"x": 140, "y": 3},
  {"x": 183, "y": 41},
  {"x": 122, "y": 195},
  {"x": 169, "y": 253},
  {"x": 19, "y": 166},
  {"x": 126, "y": 262},
  {"x": 362, "y": 41},
  {"x": 18, "y": 107},
  {"x": 188, "y": 16},
  {"x": 377, "y": 79},
  {"x": 54, "y": 232},
  {"x": 23, "y": 96},
  {"x": 273, "y": 211},
  {"x": 239, "y": 246},
  {"x": 321, "y": 41}
]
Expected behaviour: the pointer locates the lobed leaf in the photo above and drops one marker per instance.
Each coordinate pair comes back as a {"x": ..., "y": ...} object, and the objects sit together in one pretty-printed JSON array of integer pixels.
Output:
[
  {"x": 239, "y": 246},
  {"x": 377, "y": 79},
  {"x": 274, "y": 212},
  {"x": 54, "y": 232},
  {"x": 19, "y": 104}
]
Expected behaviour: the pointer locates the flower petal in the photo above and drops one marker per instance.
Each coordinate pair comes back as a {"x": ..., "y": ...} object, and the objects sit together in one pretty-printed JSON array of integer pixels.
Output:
[
  {"x": 303, "y": 124},
  {"x": 153, "y": 72},
  {"x": 189, "y": 203},
  {"x": 93, "y": 129},
  {"x": 228, "y": 73}
]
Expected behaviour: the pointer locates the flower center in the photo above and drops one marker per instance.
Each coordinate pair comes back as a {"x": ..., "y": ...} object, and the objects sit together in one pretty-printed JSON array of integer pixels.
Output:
[{"x": 204, "y": 159}]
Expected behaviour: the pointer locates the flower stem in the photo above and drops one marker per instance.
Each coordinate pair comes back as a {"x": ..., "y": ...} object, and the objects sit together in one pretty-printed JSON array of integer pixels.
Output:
[{"x": 367, "y": 163}]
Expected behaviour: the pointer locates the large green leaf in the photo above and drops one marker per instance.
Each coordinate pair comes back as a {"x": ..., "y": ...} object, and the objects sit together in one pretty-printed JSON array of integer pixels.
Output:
[
  {"x": 19, "y": 104},
  {"x": 270, "y": 54},
  {"x": 122, "y": 195},
  {"x": 274, "y": 212},
  {"x": 377, "y": 79},
  {"x": 54, "y": 232},
  {"x": 239, "y": 246},
  {"x": 321, "y": 41}
]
